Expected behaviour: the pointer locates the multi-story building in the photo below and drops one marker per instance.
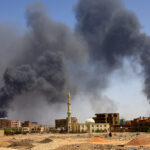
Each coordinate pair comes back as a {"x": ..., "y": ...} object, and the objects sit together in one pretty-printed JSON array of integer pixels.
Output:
[
  {"x": 30, "y": 124},
  {"x": 60, "y": 123},
  {"x": 111, "y": 118},
  {"x": 63, "y": 123},
  {"x": 15, "y": 123},
  {"x": 141, "y": 124},
  {"x": 4, "y": 122},
  {"x": 141, "y": 121}
]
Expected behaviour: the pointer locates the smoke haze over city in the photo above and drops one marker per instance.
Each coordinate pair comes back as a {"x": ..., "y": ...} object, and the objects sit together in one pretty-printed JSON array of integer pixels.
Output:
[{"x": 48, "y": 58}]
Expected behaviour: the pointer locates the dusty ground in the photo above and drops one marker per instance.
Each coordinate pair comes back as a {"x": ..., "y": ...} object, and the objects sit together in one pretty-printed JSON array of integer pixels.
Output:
[{"x": 97, "y": 141}]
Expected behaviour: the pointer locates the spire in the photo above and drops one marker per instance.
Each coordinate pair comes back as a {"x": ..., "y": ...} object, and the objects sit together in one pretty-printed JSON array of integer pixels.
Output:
[
  {"x": 69, "y": 112},
  {"x": 69, "y": 96}
]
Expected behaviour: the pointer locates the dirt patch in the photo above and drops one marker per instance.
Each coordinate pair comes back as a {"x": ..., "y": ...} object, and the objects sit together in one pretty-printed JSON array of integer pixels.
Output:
[
  {"x": 140, "y": 141},
  {"x": 88, "y": 146},
  {"x": 96, "y": 141},
  {"x": 23, "y": 143},
  {"x": 4, "y": 144},
  {"x": 99, "y": 140},
  {"x": 47, "y": 140}
]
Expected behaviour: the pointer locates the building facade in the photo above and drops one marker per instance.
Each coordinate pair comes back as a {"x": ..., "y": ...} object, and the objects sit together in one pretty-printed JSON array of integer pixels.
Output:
[
  {"x": 4, "y": 122},
  {"x": 90, "y": 127},
  {"x": 141, "y": 124},
  {"x": 111, "y": 118},
  {"x": 15, "y": 123},
  {"x": 63, "y": 123},
  {"x": 30, "y": 124},
  {"x": 60, "y": 123}
]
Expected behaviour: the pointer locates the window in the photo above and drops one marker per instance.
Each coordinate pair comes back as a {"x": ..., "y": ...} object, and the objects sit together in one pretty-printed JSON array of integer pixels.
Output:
[{"x": 115, "y": 115}]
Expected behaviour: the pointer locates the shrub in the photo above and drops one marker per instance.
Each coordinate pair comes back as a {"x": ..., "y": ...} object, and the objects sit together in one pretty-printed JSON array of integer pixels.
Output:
[
  {"x": 148, "y": 130},
  {"x": 7, "y": 131},
  {"x": 16, "y": 130}
]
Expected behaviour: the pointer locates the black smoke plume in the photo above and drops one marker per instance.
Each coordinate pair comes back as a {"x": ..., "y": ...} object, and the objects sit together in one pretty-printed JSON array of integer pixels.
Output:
[
  {"x": 112, "y": 34},
  {"x": 41, "y": 65},
  {"x": 3, "y": 114},
  {"x": 51, "y": 59}
]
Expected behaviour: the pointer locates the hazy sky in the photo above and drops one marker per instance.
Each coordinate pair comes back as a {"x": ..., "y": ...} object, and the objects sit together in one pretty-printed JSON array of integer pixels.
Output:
[{"x": 125, "y": 91}]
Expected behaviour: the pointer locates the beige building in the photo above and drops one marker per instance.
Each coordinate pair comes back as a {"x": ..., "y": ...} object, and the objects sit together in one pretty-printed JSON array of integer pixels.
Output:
[
  {"x": 15, "y": 123},
  {"x": 90, "y": 126},
  {"x": 25, "y": 129},
  {"x": 37, "y": 130},
  {"x": 63, "y": 123},
  {"x": 33, "y": 129}
]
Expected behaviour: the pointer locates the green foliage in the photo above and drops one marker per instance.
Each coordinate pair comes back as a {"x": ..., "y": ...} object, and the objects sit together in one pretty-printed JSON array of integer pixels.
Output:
[
  {"x": 122, "y": 121},
  {"x": 148, "y": 130},
  {"x": 16, "y": 131},
  {"x": 12, "y": 131},
  {"x": 7, "y": 131}
]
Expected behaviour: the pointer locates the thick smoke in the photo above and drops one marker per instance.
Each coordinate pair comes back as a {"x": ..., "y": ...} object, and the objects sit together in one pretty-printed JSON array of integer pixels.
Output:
[
  {"x": 50, "y": 58},
  {"x": 112, "y": 33},
  {"x": 47, "y": 48},
  {"x": 145, "y": 61},
  {"x": 3, "y": 114}
]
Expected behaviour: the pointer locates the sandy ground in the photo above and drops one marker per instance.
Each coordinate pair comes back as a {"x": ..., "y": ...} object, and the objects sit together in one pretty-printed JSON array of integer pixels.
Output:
[{"x": 96, "y": 141}]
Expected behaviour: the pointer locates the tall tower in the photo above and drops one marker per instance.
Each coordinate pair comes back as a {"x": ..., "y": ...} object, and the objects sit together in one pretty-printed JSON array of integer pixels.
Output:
[{"x": 69, "y": 112}]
